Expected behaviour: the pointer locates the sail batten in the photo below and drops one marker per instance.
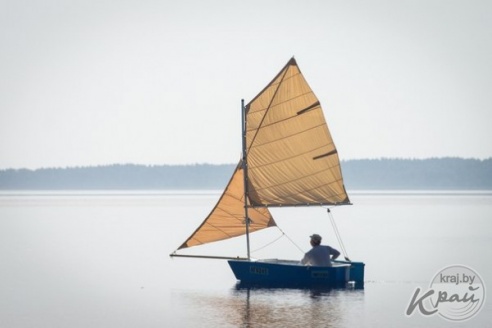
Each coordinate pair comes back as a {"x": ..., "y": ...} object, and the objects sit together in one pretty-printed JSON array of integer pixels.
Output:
[
  {"x": 333, "y": 152},
  {"x": 313, "y": 106}
]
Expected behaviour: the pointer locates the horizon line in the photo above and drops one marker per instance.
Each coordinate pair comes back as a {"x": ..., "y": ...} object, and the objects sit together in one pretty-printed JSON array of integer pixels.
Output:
[{"x": 220, "y": 164}]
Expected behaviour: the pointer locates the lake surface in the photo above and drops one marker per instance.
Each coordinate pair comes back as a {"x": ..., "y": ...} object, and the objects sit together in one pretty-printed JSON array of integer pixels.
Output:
[{"x": 101, "y": 259}]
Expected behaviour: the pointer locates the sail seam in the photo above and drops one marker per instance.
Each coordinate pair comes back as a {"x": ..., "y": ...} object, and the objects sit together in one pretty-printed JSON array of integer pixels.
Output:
[
  {"x": 304, "y": 177},
  {"x": 292, "y": 135},
  {"x": 268, "y": 108},
  {"x": 287, "y": 119},
  {"x": 283, "y": 102},
  {"x": 285, "y": 160},
  {"x": 292, "y": 194}
]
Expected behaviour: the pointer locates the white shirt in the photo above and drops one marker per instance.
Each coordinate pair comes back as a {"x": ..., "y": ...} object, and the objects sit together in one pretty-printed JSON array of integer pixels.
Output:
[{"x": 318, "y": 256}]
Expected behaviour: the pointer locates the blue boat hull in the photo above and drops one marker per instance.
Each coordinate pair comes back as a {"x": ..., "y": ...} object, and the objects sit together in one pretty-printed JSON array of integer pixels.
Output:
[{"x": 290, "y": 274}]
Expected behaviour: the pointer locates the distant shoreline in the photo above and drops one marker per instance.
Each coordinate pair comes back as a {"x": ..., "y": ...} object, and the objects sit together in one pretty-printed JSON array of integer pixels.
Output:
[
  {"x": 396, "y": 175},
  {"x": 217, "y": 192}
]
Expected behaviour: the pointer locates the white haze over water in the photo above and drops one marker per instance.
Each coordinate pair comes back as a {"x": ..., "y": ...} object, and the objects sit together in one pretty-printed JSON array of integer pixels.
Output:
[
  {"x": 85, "y": 259},
  {"x": 160, "y": 82}
]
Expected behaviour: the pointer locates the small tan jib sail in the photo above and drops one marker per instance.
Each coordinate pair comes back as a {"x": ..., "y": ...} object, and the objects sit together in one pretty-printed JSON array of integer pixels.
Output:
[
  {"x": 291, "y": 161},
  {"x": 227, "y": 218}
]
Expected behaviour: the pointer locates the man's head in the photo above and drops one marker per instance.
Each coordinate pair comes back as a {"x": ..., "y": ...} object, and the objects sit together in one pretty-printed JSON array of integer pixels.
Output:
[{"x": 315, "y": 239}]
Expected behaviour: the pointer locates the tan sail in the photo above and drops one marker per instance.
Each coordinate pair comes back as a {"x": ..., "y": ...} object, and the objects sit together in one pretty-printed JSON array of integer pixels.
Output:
[
  {"x": 292, "y": 159},
  {"x": 227, "y": 218}
]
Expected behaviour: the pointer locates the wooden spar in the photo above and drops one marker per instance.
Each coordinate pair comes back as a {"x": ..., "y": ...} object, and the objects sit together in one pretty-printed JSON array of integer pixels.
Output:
[
  {"x": 210, "y": 257},
  {"x": 245, "y": 174}
]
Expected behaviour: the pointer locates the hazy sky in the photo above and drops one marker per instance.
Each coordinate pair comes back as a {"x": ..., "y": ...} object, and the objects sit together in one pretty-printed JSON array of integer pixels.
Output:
[{"x": 160, "y": 82}]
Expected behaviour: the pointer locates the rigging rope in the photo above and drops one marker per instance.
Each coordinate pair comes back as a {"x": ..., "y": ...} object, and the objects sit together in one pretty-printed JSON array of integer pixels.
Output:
[
  {"x": 283, "y": 235},
  {"x": 335, "y": 229},
  {"x": 337, "y": 234},
  {"x": 259, "y": 249},
  {"x": 293, "y": 243}
]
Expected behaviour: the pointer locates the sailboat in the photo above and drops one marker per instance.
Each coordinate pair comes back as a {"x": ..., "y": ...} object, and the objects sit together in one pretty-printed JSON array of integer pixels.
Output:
[{"x": 288, "y": 159}]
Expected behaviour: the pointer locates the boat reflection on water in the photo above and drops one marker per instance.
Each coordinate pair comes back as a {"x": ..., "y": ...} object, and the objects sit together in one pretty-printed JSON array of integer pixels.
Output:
[
  {"x": 284, "y": 307},
  {"x": 351, "y": 285}
]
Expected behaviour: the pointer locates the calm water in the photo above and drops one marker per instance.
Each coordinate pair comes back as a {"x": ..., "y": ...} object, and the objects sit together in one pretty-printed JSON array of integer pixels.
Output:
[{"x": 101, "y": 260}]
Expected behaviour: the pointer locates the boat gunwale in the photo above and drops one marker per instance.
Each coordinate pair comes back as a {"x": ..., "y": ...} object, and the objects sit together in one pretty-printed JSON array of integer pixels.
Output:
[{"x": 295, "y": 263}]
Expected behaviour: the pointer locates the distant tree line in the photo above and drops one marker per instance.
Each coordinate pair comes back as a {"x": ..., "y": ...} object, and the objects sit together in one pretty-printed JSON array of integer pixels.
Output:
[
  {"x": 365, "y": 174},
  {"x": 418, "y": 174},
  {"x": 119, "y": 177}
]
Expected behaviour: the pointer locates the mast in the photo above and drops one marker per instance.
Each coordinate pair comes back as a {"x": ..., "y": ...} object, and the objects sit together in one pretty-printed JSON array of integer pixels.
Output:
[{"x": 245, "y": 174}]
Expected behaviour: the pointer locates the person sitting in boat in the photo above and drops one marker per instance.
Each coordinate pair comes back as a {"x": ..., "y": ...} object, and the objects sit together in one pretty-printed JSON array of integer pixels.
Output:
[{"x": 319, "y": 255}]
